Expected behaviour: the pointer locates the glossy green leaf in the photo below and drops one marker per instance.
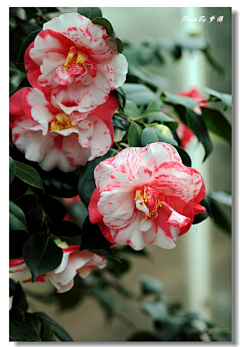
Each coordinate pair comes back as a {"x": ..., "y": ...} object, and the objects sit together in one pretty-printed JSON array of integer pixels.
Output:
[
  {"x": 119, "y": 122},
  {"x": 104, "y": 23},
  {"x": 151, "y": 135},
  {"x": 28, "y": 175},
  {"x": 86, "y": 183},
  {"x": 186, "y": 160},
  {"x": 29, "y": 39},
  {"x": 41, "y": 254},
  {"x": 92, "y": 238},
  {"x": 196, "y": 124},
  {"x": 178, "y": 100},
  {"x": 47, "y": 331},
  {"x": 12, "y": 170},
  {"x": 66, "y": 230},
  {"x": 217, "y": 123},
  {"x": 120, "y": 96},
  {"x": 119, "y": 45},
  {"x": 78, "y": 212},
  {"x": 131, "y": 110},
  {"x": 138, "y": 93},
  {"x": 20, "y": 331},
  {"x": 134, "y": 135},
  {"x": 220, "y": 217},
  {"x": 214, "y": 95},
  {"x": 59, "y": 331},
  {"x": 90, "y": 12},
  {"x": 17, "y": 218},
  {"x": 53, "y": 207},
  {"x": 31, "y": 207}
]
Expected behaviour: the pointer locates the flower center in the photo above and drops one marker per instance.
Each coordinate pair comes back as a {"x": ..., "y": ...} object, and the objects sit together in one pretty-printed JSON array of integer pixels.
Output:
[
  {"x": 148, "y": 201},
  {"x": 61, "y": 122},
  {"x": 76, "y": 57}
]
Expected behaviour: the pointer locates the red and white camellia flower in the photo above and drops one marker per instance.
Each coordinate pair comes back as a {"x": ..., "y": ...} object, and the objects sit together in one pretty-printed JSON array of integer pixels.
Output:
[
  {"x": 78, "y": 58},
  {"x": 145, "y": 196},
  {"x": 54, "y": 139},
  {"x": 73, "y": 262},
  {"x": 184, "y": 133}
]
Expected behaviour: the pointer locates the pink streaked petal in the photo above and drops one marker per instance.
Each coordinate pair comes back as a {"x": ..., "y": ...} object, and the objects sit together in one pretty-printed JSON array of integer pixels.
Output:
[
  {"x": 120, "y": 67},
  {"x": 75, "y": 153},
  {"x": 61, "y": 76},
  {"x": 16, "y": 262},
  {"x": 32, "y": 67},
  {"x": 133, "y": 236},
  {"x": 94, "y": 214},
  {"x": 15, "y": 106},
  {"x": 101, "y": 139},
  {"x": 106, "y": 111},
  {"x": 50, "y": 62},
  {"x": 49, "y": 41},
  {"x": 178, "y": 180},
  {"x": 32, "y": 143},
  {"x": 106, "y": 232}
]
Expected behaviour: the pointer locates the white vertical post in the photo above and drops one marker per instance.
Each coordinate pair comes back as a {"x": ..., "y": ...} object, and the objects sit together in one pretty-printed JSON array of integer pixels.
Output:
[{"x": 198, "y": 238}]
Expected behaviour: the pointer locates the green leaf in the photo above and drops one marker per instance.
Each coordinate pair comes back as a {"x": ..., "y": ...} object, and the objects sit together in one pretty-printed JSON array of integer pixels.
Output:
[
  {"x": 86, "y": 183},
  {"x": 16, "y": 217},
  {"x": 186, "y": 160},
  {"x": 59, "y": 331},
  {"x": 196, "y": 124},
  {"x": 47, "y": 331},
  {"x": 173, "y": 99},
  {"x": 134, "y": 135},
  {"x": 217, "y": 123},
  {"x": 92, "y": 238},
  {"x": 156, "y": 310},
  {"x": 119, "y": 45},
  {"x": 198, "y": 218},
  {"x": 66, "y": 230},
  {"x": 138, "y": 93},
  {"x": 104, "y": 23},
  {"x": 17, "y": 188},
  {"x": 12, "y": 170},
  {"x": 28, "y": 175},
  {"x": 41, "y": 254},
  {"x": 31, "y": 207},
  {"x": 131, "y": 110},
  {"x": 121, "y": 268},
  {"x": 214, "y": 95},
  {"x": 20, "y": 331},
  {"x": 150, "y": 285},
  {"x": 220, "y": 217},
  {"x": 154, "y": 113},
  {"x": 142, "y": 335},
  {"x": 105, "y": 252},
  {"x": 151, "y": 135},
  {"x": 29, "y": 39},
  {"x": 53, "y": 207},
  {"x": 120, "y": 96},
  {"x": 119, "y": 122},
  {"x": 78, "y": 212},
  {"x": 90, "y": 12}
]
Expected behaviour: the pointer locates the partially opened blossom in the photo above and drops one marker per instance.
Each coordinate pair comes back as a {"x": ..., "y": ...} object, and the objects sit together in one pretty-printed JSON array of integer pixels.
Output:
[
  {"x": 145, "y": 196},
  {"x": 74, "y": 262},
  {"x": 184, "y": 133},
  {"x": 78, "y": 58},
  {"x": 47, "y": 135}
]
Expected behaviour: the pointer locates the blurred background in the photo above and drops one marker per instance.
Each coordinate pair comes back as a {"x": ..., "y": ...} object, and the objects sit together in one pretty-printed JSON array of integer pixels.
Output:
[{"x": 198, "y": 271}]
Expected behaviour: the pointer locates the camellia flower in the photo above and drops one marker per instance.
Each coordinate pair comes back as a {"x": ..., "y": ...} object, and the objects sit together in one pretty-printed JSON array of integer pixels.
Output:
[
  {"x": 73, "y": 262},
  {"x": 78, "y": 58},
  {"x": 49, "y": 136},
  {"x": 184, "y": 133},
  {"x": 145, "y": 196}
]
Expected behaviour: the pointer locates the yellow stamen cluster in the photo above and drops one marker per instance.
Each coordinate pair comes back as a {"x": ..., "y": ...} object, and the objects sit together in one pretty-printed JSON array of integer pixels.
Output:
[
  {"x": 76, "y": 57},
  {"x": 142, "y": 195},
  {"x": 61, "y": 122}
]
